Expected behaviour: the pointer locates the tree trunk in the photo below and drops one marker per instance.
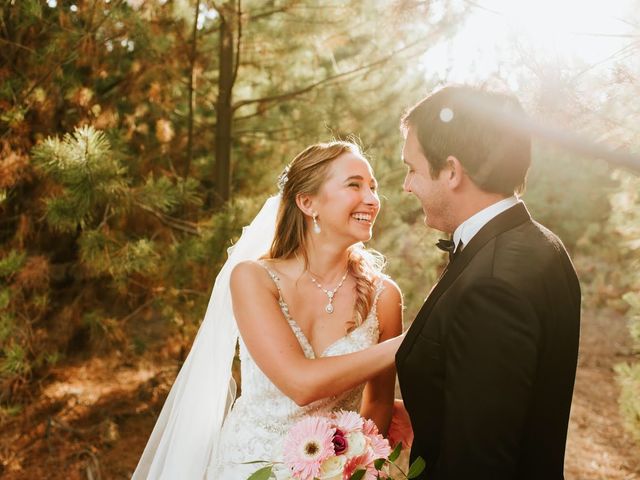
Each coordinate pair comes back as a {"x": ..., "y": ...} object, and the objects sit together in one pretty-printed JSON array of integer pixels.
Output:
[
  {"x": 224, "y": 108},
  {"x": 192, "y": 66}
]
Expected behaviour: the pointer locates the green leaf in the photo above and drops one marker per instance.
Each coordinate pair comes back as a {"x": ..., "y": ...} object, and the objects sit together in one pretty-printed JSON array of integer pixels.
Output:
[
  {"x": 416, "y": 468},
  {"x": 379, "y": 463},
  {"x": 263, "y": 474},
  {"x": 396, "y": 452},
  {"x": 358, "y": 475}
]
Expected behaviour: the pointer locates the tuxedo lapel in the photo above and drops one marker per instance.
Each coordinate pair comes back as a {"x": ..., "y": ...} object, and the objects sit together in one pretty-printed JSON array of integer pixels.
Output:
[{"x": 503, "y": 222}]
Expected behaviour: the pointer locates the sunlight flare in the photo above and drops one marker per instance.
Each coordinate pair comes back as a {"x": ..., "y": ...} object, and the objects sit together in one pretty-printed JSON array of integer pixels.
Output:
[{"x": 500, "y": 31}]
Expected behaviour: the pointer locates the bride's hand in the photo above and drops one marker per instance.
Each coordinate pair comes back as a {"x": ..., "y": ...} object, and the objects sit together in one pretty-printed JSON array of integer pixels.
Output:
[{"x": 400, "y": 429}]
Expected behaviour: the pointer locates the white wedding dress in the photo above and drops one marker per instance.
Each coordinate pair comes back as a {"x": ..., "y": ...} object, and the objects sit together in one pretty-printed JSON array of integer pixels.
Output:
[{"x": 261, "y": 416}]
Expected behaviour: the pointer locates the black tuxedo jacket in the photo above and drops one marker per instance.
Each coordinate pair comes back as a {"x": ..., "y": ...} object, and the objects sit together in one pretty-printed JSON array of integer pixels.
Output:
[{"x": 488, "y": 366}]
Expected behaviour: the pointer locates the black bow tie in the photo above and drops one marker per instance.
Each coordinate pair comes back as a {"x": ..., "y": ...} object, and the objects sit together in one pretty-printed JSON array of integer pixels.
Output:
[{"x": 449, "y": 247}]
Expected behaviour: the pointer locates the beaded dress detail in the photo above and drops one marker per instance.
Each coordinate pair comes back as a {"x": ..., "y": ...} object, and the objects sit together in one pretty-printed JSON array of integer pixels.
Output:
[{"x": 262, "y": 415}]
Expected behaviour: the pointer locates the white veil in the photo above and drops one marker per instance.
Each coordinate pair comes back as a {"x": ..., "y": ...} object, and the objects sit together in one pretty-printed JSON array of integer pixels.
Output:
[{"x": 186, "y": 433}]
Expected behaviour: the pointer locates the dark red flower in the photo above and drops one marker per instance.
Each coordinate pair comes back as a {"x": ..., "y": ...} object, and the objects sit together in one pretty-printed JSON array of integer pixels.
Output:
[{"x": 340, "y": 443}]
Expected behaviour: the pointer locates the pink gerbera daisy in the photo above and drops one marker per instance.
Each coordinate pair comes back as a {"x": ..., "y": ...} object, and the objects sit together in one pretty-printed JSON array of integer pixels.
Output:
[
  {"x": 361, "y": 462},
  {"x": 348, "y": 421},
  {"x": 308, "y": 444},
  {"x": 380, "y": 446},
  {"x": 370, "y": 428}
]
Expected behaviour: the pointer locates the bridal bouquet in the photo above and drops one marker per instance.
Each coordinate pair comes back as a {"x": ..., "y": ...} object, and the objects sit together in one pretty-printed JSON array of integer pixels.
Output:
[{"x": 343, "y": 446}]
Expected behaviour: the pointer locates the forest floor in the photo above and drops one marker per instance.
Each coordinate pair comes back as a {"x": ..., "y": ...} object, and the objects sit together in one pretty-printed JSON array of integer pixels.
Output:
[{"x": 92, "y": 419}]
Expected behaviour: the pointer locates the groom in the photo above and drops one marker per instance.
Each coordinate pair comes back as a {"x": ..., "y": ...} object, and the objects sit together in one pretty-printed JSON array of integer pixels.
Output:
[{"x": 488, "y": 366}]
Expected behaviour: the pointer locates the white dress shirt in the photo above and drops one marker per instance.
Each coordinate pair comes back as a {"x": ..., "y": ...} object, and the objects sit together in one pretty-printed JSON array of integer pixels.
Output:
[{"x": 467, "y": 229}]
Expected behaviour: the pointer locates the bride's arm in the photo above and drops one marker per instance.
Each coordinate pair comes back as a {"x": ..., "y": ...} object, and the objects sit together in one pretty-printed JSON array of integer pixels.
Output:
[
  {"x": 275, "y": 348},
  {"x": 377, "y": 401}
]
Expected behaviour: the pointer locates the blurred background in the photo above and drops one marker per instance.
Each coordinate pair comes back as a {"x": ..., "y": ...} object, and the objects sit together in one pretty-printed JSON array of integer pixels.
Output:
[{"x": 137, "y": 137}]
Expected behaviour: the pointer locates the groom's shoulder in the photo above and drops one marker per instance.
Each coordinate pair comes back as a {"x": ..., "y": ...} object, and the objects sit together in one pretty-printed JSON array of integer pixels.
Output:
[
  {"x": 529, "y": 249},
  {"x": 543, "y": 238},
  {"x": 531, "y": 233}
]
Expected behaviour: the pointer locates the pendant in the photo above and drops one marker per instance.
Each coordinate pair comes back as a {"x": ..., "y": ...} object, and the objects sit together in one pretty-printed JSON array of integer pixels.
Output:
[{"x": 329, "y": 308}]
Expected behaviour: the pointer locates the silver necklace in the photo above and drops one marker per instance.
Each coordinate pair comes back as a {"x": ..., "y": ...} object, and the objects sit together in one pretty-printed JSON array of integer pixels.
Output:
[{"x": 329, "y": 293}]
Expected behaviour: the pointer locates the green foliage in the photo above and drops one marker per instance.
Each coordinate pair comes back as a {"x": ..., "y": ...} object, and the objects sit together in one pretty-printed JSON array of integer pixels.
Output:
[
  {"x": 7, "y": 326},
  {"x": 10, "y": 410},
  {"x": 11, "y": 263},
  {"x": 416, "y": 468},
  {"x": 396, "y": 452},
  {"x": 166, "y": 196},
  {"x": 629, "y": 380},
  {"x": 568, "y": 194},
  {"x": 625, "y": 226},
  {"x": 263, "y": 473},
  {"x": 103, "y": 255},
  {"x": 14, "y": 361},
  {"x": 5, "y": 298},
  {"x": 358, "y": 474},
  {"x": 91, "y": 177}
]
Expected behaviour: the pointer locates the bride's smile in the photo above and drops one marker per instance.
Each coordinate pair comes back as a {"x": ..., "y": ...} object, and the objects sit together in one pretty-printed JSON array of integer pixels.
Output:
[{"x": 348, "y": 203}]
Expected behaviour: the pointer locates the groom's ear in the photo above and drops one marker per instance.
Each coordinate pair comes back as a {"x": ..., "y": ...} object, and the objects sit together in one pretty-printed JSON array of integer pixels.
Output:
[
  {"x": 454, "y": 172},
  {"x": 305, "y": 203}
]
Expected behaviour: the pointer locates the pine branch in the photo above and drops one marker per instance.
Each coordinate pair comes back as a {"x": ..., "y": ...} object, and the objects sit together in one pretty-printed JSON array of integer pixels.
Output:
[
  {"x": 24, "y": 47},
  {"x": 124, "y": 320},
  {"x": 57, "y": 65},
  {"x": 269, "y": 13},
  {"x": 297, "y": 92},
  {"x": 169, "y": 221}
]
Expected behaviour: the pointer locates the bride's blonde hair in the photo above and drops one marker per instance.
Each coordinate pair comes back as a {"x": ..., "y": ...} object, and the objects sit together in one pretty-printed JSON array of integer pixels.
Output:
[{"x": 305, "y": 175}]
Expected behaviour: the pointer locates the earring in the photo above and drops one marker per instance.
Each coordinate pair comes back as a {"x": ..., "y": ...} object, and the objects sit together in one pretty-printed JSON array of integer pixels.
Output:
[{"x": 316, "y": 226}]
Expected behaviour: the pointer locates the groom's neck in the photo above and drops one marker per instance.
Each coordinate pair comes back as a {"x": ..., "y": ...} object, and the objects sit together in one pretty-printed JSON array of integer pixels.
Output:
[{"x": 472, "y": 202}]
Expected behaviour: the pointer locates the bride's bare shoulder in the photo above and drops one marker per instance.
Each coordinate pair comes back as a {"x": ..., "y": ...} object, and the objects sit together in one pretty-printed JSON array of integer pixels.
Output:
[
  {"x": 391, "y": 291},
  {"x": 250, "y": 275},
  {"x": 252, "y": 286},
  {"x": 247, "y": 267},
  {"x": 390, "y": 308},
  {"x": 259, "y": 268}
]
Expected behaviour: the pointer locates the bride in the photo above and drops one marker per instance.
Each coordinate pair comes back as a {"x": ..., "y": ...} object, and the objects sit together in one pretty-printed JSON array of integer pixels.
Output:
[{"x": 319, "y": 327}]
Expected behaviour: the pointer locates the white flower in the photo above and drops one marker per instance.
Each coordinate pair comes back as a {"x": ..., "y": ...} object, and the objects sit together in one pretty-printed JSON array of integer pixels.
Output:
[
  {"x": 357, "y": 442},
  {"x": 332, "y": 467},
  {"x": 282, "y": 473}
]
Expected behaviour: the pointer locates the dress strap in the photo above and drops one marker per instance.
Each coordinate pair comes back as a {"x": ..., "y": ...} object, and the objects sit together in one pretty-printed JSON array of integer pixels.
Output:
[
  {"x": 379, "y": 283},
  {"x": 274, "y": 276}
]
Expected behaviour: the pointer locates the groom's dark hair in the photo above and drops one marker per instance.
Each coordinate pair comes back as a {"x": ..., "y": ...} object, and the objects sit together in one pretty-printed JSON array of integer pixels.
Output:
[{"x": 482, "y": 129}]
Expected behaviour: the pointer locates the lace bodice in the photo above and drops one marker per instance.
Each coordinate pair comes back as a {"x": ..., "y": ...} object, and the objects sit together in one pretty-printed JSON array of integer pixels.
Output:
[{"x": 255, "y": 427}]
